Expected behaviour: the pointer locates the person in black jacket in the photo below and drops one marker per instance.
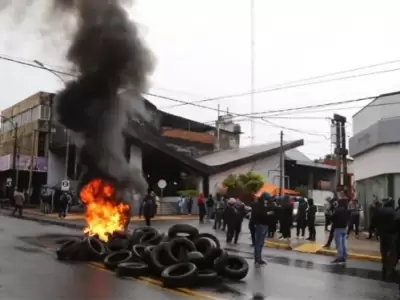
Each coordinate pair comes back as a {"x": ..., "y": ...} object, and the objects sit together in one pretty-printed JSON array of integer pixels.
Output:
[
  {"x": 252, "y": 226},
  {"x": 286, "y": 218},
  {"x": 373, "y": 214},
  {"x": 332, "y": 207},
  {"x": 339, "y": 223},
  {"x": 386, "y": 225},
  {"x": 232, "y": 219},
  {"x": 147, "y": 207},
  {"x": 311, "y": 212},
  {"x": 261, "y": 218},
  {"x": 301, "y": 218}
]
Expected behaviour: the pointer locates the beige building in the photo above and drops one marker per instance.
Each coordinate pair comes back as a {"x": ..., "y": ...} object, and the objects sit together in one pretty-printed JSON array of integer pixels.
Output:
[{"x": 31, "y": 117}]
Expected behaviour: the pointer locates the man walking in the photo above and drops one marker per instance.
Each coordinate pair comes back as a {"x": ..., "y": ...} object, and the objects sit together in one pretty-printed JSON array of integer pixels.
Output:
[{"x": 19, "y": 200}]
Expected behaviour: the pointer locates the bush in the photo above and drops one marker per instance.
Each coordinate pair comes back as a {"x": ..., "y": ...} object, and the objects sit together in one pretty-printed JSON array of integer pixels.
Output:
[{"x": 243, "y": 185}]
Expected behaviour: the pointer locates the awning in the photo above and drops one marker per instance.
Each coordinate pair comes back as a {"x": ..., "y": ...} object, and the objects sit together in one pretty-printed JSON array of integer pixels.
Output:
[{"x": 274, "y": 190}]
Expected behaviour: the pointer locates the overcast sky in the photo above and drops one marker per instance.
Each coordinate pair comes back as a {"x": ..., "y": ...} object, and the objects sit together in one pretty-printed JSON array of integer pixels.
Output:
[{"x": 203, "y": 50}]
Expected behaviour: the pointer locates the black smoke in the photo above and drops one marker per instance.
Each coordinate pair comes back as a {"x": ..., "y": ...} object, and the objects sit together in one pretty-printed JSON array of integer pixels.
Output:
[{"x": 109, "y": 56}]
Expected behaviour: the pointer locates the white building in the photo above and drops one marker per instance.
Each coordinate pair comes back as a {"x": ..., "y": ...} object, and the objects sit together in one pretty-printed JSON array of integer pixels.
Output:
[{"x": 375, "y": 147}]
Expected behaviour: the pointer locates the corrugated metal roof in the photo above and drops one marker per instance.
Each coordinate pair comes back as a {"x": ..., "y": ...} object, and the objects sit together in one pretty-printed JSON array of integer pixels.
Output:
[
  {"x": 297, "y": 155},
  {"x": 222, "y": 157},
  {"x": 193, "y": 136}
]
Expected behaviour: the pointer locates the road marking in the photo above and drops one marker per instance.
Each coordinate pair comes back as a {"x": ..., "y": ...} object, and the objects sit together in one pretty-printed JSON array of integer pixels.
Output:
[{"x": 308, "y": 248}]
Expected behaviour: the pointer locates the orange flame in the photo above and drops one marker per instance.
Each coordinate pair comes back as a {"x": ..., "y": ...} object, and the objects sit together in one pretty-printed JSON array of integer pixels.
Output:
[{"x": 104, "y": 215}]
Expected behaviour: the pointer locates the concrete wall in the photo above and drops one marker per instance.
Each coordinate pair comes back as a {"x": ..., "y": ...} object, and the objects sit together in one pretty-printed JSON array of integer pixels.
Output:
[
  {"x": 382, "y": 160},
  {"x": 381, "y": 108},
  {"x": 268, "y": 167}
]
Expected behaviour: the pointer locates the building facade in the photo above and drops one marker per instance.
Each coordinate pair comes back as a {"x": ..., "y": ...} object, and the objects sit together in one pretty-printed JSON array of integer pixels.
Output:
[{"x": 375, "y": 148}]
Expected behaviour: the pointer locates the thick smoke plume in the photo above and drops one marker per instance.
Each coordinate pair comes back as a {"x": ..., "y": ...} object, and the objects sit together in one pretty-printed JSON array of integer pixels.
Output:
[{"x": 109, "y": 56}]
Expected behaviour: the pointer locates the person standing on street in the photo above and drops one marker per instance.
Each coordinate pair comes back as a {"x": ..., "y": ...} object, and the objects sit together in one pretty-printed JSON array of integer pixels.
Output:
[
  {"x": 328, "y": 213},
  {"x": 231, "y": 215},
  {"x": 262, "y": 214},
  {"x": 333, "y": 206},
  {"x": 189, "y": 204},
  {"x": 301, "y": 218},
  {"x": 202, "y": 208},
  {"x": 219, "y": 209},
  {"x": 373, "y": 213},
  {"x": 147, "y": 207},
  {"x": 339, "y": 223},
  {"x": 210, "y": 207},
  {"x": 64, "y": 202},
  {"x": 386, "y": 225},
  {"x": 286, "y": 218},
  {"x": 354, "y": 209},
  {"x": 19, "y": 200},
  {"x": 311, "y": 212},
  {"x": 252, "y": 226}
]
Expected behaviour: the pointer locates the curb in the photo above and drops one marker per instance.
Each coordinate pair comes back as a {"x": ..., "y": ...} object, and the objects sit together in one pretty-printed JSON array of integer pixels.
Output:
[{"x": 326, "y": 252}]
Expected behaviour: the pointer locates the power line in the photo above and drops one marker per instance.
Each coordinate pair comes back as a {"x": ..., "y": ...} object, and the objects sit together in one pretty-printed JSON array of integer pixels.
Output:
[
  {"x": 259, "y": 115},
  {"x": 296, "y": 83}
]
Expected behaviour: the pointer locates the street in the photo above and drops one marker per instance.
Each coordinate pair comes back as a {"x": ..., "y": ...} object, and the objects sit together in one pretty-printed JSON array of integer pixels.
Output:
[{"x": 31, "y": 272}]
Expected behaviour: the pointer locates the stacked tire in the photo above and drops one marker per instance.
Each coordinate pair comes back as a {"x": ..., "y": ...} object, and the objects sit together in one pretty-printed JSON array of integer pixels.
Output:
[{"x": 182, "y": 258}]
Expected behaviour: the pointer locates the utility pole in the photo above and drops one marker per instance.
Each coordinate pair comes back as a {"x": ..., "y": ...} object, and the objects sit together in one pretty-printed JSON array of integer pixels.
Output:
[
  {"x": 252, "y": 66},
  {"x": 281, "y": 167},
  {"x": 341, "y": 153},
  {"x": 218, "y": 129},
  {"x": 32, "y": 164},
  {"x": 15, "y": 153}
]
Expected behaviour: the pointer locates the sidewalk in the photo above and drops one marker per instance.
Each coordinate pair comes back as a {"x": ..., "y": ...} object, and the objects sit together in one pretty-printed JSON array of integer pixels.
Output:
[{"x": 360, "y": 248}]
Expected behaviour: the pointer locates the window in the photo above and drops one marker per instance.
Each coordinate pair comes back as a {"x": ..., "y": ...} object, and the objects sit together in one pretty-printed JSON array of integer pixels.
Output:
[
  {"x": 44, "y": 112},
  {"x": 26, "y": 117},
  {"x": 17, "y": 120},
  {"x": 36, "y": 113}
]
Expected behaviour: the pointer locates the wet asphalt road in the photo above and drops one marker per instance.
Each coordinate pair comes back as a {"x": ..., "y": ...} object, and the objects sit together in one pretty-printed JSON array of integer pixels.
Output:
[{"x": 29, "y": 272}]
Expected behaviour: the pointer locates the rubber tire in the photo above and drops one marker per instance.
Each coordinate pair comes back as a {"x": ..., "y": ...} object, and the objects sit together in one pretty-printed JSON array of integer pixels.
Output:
[
  {"x": 211, "y": 237},
  {"x": 147, "y": 254},
  {"x": 235, "y": 274},
  {"x": 95, "y": 248},
  {"x": 207, "y": 277},
  {"x": 111, "y": 263},
  {"x": 134, "y": 239},
  {"x": 138, "y": 251},
  {"x": 220, "y": 262},
  {"x": 132, "y": 269},
  {"x": 67, "y": 249},
  {"x": 155, "y": 263},
  {"x": 150, "y": 238},
  {"x": 175, "y": 243},
  {"x": 196, "y": 258},
  {"x": 145, "y": 229},
  {"x": 186, "y": 279},
  {"x": 190, "y": 231},
  {"x": 204, "y": 245},
  {"x": 118, "y": 244}
]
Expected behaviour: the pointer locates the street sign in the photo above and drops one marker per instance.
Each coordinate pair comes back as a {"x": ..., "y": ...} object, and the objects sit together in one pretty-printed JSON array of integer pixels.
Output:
[
  {"x": 65, "y": 185},
  {"x": 9, "y": 181},
  {"x": 162, "y": 184}
]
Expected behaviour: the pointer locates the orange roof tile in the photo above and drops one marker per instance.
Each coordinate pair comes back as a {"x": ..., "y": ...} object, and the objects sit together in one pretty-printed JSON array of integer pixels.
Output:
[{"x": 188, "y": 135}]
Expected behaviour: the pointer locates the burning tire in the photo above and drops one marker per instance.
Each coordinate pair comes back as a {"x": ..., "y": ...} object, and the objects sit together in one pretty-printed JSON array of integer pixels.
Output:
[
  {"x": 210, "y": 237},
  {"x": 207, "y": 277},
  {"x": 112, "y": 260},
  {"x": 236, "y": 268},
  {"x": 204, "y": 245},
  {"x": 96, "y": 249},
  {"x": 132, "y": 269},
  {"x": 147, "y": 253},
  {"x": 178, "y": 248},
  {"x": 184, "y": 230},
  {"x": 118, "y": 244},
  {"x": 179, "y": 275}
]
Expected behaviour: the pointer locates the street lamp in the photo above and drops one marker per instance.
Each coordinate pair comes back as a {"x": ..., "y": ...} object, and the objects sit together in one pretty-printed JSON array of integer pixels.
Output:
[{"x": 41, "y": 65}]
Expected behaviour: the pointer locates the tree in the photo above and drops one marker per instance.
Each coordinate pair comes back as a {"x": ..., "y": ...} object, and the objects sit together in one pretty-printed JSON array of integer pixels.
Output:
[
  {"x": 302, "y": 190},
  {"x": 243, "y": 185}
]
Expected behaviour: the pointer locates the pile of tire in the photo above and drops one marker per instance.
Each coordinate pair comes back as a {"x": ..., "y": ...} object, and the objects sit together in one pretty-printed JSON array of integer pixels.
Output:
[{"x": 182, "y": 258}]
